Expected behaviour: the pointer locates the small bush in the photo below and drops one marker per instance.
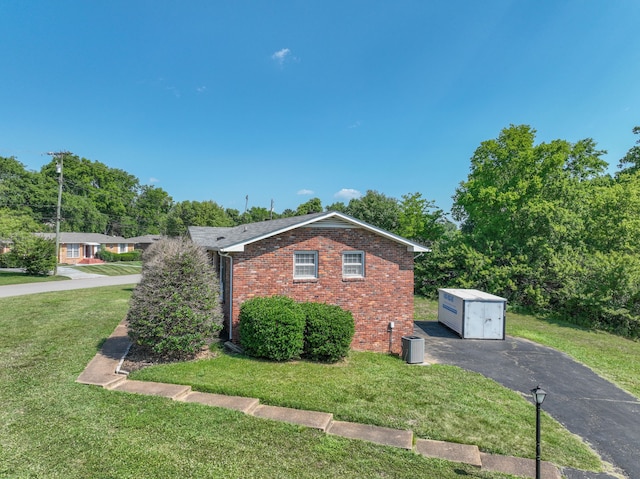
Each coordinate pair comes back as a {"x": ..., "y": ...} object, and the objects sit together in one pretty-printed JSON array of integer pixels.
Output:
[
  {"x": 129, "y": 256},
  {"x": 328, "y": 332},
  {"x": 272, "y": 328},
  {"x": 174, "y": 309}
]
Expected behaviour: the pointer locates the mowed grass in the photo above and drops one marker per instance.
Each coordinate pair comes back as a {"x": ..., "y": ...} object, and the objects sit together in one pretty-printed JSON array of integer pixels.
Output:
[
  {"x": 436, "y": 402},
  {"x": 112, "y": 269},
  {"x": 53, "y": 427},
  {"x": 11, "y": 277}
]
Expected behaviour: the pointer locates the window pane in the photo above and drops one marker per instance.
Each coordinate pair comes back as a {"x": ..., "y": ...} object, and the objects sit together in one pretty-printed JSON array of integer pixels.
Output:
[
  {"x": 305, "y": 265},
  {"x": 353, "y": 264}
]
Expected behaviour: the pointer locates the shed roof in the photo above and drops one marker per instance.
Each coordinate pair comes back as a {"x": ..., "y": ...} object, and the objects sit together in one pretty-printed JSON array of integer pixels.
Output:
[{"x": 232, "y": 239}]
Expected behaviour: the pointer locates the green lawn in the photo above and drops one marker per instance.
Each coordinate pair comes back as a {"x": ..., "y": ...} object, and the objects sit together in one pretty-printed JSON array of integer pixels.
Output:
[
  {"x": 53, "y": 427},
  {"x": 112, "y": 269},
  {"x": 10, "y": 277}
]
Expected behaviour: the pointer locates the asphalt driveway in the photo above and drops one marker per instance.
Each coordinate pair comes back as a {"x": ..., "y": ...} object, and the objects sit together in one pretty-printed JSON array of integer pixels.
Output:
[{"x": 602, "y": 414}]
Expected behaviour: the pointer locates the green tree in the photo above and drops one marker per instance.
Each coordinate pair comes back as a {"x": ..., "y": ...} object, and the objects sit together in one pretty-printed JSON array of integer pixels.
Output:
[
  {"x": 376, "y": 209},
  {"x": 151, "y": 209},
  {"x": 314, "y": 205},
  {"x": 111, "y": 191},
  {"x": 420, "y": 219},
  {"x": 632, "y": 158},
  {"x": 195, "y": 213}
]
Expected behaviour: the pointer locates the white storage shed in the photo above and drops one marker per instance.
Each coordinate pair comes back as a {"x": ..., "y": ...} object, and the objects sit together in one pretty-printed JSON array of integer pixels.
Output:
[{"x": 472, "y": 314}]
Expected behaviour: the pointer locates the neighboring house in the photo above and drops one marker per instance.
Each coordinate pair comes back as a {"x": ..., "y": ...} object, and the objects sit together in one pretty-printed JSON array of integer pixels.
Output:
[
  {"x": 322, "y": 257},
  {"x": 81, "y": 248},
  {"x": 143, "y": 242}
]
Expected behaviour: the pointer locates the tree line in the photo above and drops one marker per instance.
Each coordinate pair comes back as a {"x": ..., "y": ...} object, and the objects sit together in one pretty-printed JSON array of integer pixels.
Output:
[{"x": 544, "y": 225}]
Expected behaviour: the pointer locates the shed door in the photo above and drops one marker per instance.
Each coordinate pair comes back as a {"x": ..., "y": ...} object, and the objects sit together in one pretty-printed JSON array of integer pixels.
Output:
[{"x": 483, "y": 320}]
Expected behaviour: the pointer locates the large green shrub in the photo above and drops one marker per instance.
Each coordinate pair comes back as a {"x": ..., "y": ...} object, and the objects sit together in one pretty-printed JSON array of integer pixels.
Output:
[
  {"x": 33, "y": 253},
  {"x": 174, "y": 309},
  {"x": 328, "y": 332},
  {"x": 272, "y": 328}
]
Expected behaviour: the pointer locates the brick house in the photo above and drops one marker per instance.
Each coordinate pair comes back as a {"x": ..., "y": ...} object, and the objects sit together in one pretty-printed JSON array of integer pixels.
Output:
[
  {"x": 81, "y": 248},
  {"x": 322, "y": 257}
]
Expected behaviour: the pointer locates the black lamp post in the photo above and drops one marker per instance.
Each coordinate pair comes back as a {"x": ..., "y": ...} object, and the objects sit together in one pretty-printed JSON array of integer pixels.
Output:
[{"x": 538, "y": 396}]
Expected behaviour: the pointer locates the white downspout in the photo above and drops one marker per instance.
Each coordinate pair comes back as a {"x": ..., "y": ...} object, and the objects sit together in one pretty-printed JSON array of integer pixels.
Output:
[{"x": 227, "y": 255}]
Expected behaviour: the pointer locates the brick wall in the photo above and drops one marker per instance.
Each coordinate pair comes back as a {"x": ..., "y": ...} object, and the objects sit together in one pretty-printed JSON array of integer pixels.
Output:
[{"x": 385, "y": 294}]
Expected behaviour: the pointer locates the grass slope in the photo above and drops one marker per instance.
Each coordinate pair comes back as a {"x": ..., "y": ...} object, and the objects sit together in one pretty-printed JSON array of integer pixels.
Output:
[{"x": 53, "y": 427}]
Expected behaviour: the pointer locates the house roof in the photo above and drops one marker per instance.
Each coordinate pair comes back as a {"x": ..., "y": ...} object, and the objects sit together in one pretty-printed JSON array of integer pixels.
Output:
[
  {"x": 232, "y": 239},
  {"x": 97, "y": 238},
  {"x": 144, "y": 239}
]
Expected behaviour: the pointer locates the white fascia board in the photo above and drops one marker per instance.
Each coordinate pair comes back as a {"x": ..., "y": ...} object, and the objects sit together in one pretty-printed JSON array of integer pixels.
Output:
[{"x": 411, "y": 246}]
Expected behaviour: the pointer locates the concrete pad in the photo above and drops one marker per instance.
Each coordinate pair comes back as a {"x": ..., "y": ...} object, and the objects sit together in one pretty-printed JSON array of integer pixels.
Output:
[
  {"x": 101, "y": 372},
  {"x": 380, "y": 435},
  {"x": 313, "y": 419},
  {"x": 243, "y": 404},
  {"x": 449, "y": 451},
  {"x": 171, "y": 391},
  {"x": 518, "y": 466}
]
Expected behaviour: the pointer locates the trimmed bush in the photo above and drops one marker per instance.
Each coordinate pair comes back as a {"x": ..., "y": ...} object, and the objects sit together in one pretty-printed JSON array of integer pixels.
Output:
[
  {"x": 272, "y": 328},
  {"x": 110, "y": 257},
  {"x": 129, "y": 256},
  {"x": 328, "y": 332},
  {"x": 174, "y": 309},
  {"x": 105, "y": 255}
]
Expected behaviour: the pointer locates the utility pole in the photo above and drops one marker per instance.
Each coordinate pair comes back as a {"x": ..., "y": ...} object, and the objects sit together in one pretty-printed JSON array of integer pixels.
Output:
[{"x": 59, "y": 156}]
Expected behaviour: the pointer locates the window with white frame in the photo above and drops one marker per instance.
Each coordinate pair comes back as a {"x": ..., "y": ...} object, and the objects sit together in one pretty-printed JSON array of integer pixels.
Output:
[
  {"x": 353, "y": 264},
  {"x": 122, "y": 247},
  {"x": 73, "y": 250},
  {"x": 305, "y": 264}
]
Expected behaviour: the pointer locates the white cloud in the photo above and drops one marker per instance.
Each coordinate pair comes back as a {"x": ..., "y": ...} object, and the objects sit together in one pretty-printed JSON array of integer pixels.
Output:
[
  {"x": 356, "y": 124},
  {"x": 347, "y": 194},
  {"x": 305, "y": 192},
  {"x": 281, "y": 55},
  {"x": 201, "y": 89},
  {"x": 154, "y": 180}
]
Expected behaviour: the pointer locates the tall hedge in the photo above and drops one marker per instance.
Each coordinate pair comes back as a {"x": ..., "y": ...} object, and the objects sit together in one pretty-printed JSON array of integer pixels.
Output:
[
  {"x": 272, "y": 328},
  {"x": 174, "y": 309}
]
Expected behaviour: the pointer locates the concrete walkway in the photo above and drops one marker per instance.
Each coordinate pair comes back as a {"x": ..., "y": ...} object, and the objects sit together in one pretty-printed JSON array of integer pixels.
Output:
[
  {"x": 104, "y": 367},
  {"x": 589, "y": 406}
]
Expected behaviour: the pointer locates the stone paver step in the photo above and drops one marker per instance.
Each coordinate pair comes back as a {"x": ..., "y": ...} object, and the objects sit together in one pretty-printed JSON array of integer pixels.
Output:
[
  {"x": 171, "y": 391},
  {"x": 243, "y": 404},
  {"x": 313, "y": 419},
  {"x": 518, "y": 466},
  {"x": 379, "y": 435},
  {"x": 450, "y": 451}
]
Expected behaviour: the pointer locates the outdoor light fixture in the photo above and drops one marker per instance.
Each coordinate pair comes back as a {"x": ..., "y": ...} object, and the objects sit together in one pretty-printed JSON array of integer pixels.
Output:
[{"x": 538, "y": 396}]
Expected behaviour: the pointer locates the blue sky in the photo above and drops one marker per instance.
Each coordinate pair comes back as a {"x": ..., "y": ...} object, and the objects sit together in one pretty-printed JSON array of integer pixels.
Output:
[{"x": 290, "y": 100}]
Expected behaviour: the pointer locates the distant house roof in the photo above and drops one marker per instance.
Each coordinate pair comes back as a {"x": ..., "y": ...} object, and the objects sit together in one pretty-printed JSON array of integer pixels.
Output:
[
  {"x": 231, "y": 239},
  {"x": 145, "y": 239},
  {"x": 96, "y": 238}
]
